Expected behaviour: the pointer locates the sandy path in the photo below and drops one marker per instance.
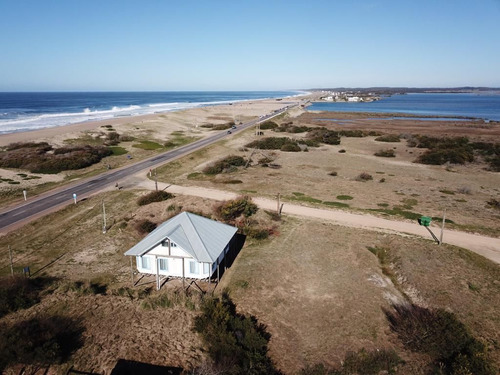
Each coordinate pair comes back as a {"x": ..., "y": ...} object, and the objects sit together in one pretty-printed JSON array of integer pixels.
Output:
[{"x": 486, "y": 246}]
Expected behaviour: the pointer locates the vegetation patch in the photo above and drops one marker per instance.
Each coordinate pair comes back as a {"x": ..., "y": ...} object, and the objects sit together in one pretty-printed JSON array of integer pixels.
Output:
[
  {"x": 39, "y": 342},
  {"x": 323, "y": 135},
  {"x": 230, "y": 210},
  {"x": 43, "y": 158},
  {"x": 117, "y": 150},
  {"x": 154, "y": 196},
  {"x": 397, "y": 212},
  {"x": 439, "y": 334},
  {"x": 237, "y": 344},
  {"x": 145, "y": 226},
  {"x": 19, "y": 292},
  {"x": 445, "y": 191},
  {"x": 364, "y": 177},
  {"x": 336, "y": 204},
  {"x": 493, "y": 203},
  {"x": 303, "y": 198},
  {"x": 226, "y": 165},
  {"x": 344, "y": 197},
  {"x": 275, "y": 143},
  {"x": 147, "y": 145},
  {"x": 387, "y": 153},
  {"x": 268, "y": 125}
]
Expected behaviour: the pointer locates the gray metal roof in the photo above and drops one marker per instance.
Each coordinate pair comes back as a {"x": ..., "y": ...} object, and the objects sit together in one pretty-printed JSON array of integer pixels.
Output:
[{"x": 204, "y": 239}]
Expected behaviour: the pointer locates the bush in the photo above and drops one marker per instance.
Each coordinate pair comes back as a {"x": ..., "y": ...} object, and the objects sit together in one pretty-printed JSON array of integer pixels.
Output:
[
  {"x": 323, "y": 135},
  {"x": 19, "y": 292},
  {"x": 154, "y": 196},
  {"x": 291, "y": 147},
  {"x": 268, "y": 125},
  {"x": 441, "y": 335},
  {"x": 236, "y": 343},
  {"x": 230, "y": 210},
  {"x": 270, "y": 143},
  {"x": 35, "y": 157},
  {"x": 388, "y": 138},
  {"x": 388, "y": 153},
  {"x": 40, "y": 341},
  {"x": 364, "y": 177},
  {"x": 224, "y": 165},
  {"x": 145, "y": 226}
]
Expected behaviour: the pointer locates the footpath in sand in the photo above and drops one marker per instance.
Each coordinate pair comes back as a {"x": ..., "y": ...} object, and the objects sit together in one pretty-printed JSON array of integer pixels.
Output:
[{"x": 486, "y": 246}]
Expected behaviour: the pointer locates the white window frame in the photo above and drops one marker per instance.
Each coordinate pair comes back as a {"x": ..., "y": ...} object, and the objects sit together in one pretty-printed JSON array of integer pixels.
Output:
[
  {"x": 165, "y": 262},
  {"x": 194, "y": 264},
  {"x": 145, "y": 263},
  {"x": 206, "y": 268}
]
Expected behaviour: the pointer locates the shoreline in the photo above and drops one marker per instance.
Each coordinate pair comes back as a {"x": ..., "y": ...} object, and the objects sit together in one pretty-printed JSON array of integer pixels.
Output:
[{"x": 186, "y": 119}]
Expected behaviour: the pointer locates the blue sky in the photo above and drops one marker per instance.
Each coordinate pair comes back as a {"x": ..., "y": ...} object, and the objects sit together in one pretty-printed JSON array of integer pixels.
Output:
[{"x": 116, "y": 45}]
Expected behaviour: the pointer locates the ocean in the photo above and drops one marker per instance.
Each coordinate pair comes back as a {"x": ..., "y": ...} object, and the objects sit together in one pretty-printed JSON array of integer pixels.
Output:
[
  {"x": 476, "y": 105},
  {"x": 23, "y": 111}
]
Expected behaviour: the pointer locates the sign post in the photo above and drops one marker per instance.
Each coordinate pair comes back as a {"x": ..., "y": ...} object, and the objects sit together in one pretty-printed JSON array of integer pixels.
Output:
[{"x": 25, "y": 193}]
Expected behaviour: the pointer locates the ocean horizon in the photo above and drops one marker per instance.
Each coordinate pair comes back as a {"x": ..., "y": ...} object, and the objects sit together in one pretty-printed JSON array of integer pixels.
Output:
[
  {"x": 24, "y": 111},
  {"x": 484, "y": 106}
]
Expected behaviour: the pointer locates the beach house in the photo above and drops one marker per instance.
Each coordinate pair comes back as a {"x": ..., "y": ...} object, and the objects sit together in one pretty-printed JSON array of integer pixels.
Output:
[{"x": 187, "y": 246}]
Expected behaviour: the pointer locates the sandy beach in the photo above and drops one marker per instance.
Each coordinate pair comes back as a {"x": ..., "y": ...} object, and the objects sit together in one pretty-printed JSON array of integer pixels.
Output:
[{"x": 156, "y": 126}]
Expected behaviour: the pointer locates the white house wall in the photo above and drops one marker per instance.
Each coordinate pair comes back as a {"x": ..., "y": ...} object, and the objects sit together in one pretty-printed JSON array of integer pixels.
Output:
[
  {"x": 161, "y": 250},
  {"x": 175, "y": 267}
]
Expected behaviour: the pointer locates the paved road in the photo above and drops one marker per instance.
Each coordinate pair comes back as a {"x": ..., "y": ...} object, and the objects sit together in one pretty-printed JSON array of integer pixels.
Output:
[{"x": 47, "y": 202}]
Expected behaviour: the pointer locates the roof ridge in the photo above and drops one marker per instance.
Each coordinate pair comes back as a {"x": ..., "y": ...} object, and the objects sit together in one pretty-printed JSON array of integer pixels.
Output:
[{"x": 188, "y": 214}]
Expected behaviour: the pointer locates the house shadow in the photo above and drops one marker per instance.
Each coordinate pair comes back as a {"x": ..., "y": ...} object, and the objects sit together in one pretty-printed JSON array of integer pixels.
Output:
[
  {"x": 127, "y": 367},
  {"x": 235, "y": 246}
]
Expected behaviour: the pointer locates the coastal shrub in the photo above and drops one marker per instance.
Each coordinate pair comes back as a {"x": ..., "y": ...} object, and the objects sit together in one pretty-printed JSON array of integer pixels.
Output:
[
  {"x": 37, "y": 145},
  {"x": 388, "y": 138},
  {"x": 352, "y": 133},
  {"x": 226, "y": 164},
  {"x": 154, "y": 196},
  {"x": 344, "y": 197},
  {"x": 145, "y": 226},
  {"x": 342, "y": 151},
  {"x": 290, "y": 128},
  {"x": 39, "y": 341},
  {"x": 228, "y": 211},
  {"x": 387, "y": 153},
  {"x": 459, "y": 155},
  {"x": 364, "y": 177},
  {"x": 323, "y": 135},
  {"x": 268, "y": 125},
  {"x": 270, "y": 143},
  {"x": 308, "y": 142},
  {"x": 237, "y": 344},
  {"x": 19, "y": 292},
  {"x": 493, "y": 203},
  {"x": 291, "y": 147},
  {"x": 380, "y": 361},
  {"x": 38, "y": 159},
  {"x": 112, "y": 138},
  {"x": 439, "y": 334},
  {"x": 334, "y": 173}
]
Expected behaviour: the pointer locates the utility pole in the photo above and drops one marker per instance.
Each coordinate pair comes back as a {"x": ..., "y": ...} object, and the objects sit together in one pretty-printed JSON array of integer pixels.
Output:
[
  {"x": 11, "y": 266},
  {"x": 442, "y": 227},
  {"x": 278, "y": 206},
  {"x": 103, "y": 218}
]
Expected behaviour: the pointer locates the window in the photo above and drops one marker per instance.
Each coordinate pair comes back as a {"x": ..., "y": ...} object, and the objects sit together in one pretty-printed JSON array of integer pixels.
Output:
[
  {"x": 163, "y": 264},
  {"x": 206, "y": 268},
  {"x": 193, "y": 267},
  {"x": 145, "y": 263}
]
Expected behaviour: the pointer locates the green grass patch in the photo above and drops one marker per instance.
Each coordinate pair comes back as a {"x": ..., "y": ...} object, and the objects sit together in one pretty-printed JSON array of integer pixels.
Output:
[
  {"x": 148, "y": 145},
  {"x": 344, "y": 197},
  {"x": 194, "y": 176},
  {"x": 336, "y": 204},
  {"x": 117, "y": 150},
  {"x": 449, "y": 192},
  {"x": 383, "y": 204},
  {"x": 396, "y": 211},
  {"x": 301, "y": 197},
  {"x": 440, "y": 219}
]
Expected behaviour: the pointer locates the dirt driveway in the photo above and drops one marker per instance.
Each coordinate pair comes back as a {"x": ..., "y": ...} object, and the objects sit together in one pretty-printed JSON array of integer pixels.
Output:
[{"x": 488, "y": 247}]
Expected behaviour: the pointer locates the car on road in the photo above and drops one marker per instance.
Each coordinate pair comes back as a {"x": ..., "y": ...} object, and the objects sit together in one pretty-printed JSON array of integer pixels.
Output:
[
  {"x": 229, "y": 132},
  {"x": 233, "y": 127}
]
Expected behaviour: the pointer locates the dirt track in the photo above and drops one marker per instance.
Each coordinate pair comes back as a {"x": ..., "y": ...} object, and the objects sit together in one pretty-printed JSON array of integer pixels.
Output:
[{"x": 486, "y": 246}]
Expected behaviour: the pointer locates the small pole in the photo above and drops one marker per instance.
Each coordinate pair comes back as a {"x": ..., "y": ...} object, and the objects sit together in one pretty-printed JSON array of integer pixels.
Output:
[
  {"x": 132, "y": 270},
  {"x": 11, "y": 266},
  {"x": 278, "y": 206},
  {"x": 25, "y": 194},
  {"x": 442, "y": 227},
  {"x": 156, "y": 181},
  {"x": 104, "y": 218}
]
